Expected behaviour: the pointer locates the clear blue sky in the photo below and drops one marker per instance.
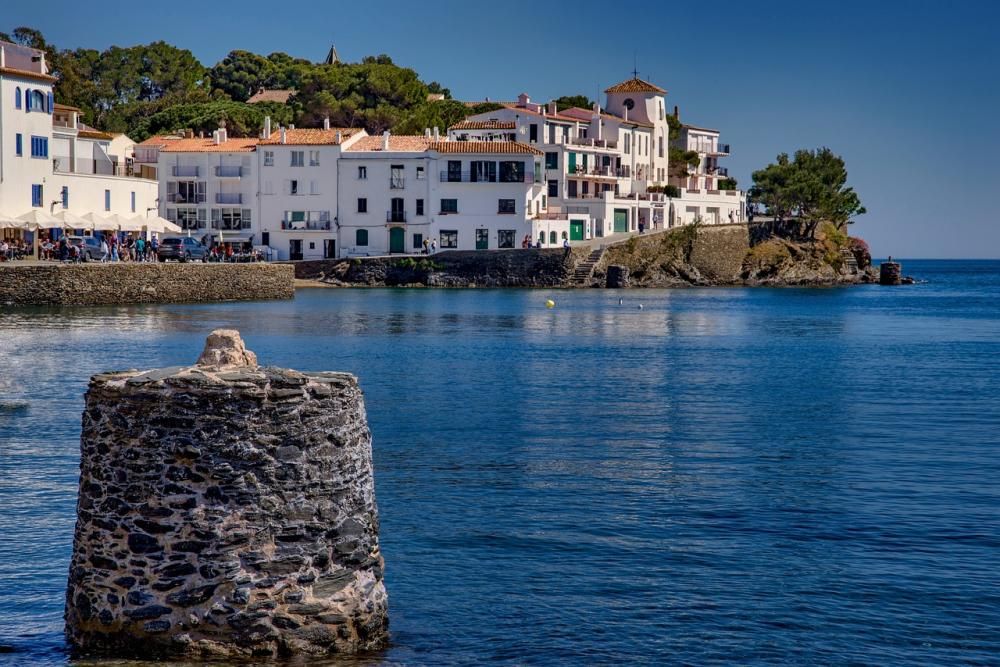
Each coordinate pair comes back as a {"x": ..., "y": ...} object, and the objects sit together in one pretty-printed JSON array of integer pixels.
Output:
[{"x": 907, "y": 92}]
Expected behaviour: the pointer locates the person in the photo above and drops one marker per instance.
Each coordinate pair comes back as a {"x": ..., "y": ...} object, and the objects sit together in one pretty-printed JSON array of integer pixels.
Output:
[
  {"x": 566, "y": 244},
  {"x": 63, "y": 250},
  {"x": 114, "y": 248},
  {"x": 427, "y": 245},
  {"x": 434, "y": 246},
  {"x": 105, "y": 251},
  {"x": 154, "y": 245},
  {"x": 140, "y": 249},
  {"x": 4, "y": 248},
  {"x": 642, "y": 225},
  {"x": 730, "y": 217}
]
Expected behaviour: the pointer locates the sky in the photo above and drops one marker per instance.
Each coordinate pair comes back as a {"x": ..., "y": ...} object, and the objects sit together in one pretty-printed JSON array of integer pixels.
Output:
[{"x": 907, "y": 92}]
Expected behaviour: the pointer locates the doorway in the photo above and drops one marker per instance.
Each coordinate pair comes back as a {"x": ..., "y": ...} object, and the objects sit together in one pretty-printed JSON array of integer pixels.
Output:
[
  {"x": 295, "y": 249},
  {"x": 397, "y": 240}
]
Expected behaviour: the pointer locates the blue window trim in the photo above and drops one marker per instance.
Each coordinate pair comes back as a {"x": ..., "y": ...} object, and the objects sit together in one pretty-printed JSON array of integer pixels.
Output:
[
  {"x": 19, "y": 144},
  {"x": 133, "y": 202},
  {"x": 39, "y": 147},
  {"x": 17, "y": 97},
  {"x": 107, "y": 200},
  {"x": 65, "y": 196},
  {"x": 36, "y": 195}
]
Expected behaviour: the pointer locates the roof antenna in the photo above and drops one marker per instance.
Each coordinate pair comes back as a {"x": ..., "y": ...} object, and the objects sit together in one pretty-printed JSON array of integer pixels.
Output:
[{"x": 635, "y": 65}]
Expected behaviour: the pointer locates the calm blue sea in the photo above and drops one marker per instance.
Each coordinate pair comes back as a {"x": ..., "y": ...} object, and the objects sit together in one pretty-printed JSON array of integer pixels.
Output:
[{"x": 736, "y": 476}]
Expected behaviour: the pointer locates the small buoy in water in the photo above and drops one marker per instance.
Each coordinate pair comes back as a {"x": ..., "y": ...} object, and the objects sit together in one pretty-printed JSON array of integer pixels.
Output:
[
  {"x": 621, "y": 301},
  {"x": 549, "y": 303},
  {"x": 640, "y": 306}
]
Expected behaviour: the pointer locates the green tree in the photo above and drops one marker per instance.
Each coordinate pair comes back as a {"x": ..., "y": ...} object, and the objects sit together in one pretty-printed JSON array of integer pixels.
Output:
[
  {"x": 812, "y": 187},
  {"x": 569, "y": 101},
  {"x": 241, "y": 73},
  {"x": 441, "y": 114}
]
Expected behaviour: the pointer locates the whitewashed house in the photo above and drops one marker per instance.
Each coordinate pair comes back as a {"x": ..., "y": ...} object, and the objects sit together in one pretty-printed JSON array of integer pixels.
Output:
[{"x": 49, "y": 159}]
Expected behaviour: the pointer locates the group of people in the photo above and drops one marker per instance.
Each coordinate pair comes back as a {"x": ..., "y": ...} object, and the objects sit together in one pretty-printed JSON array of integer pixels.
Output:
[
  {"x": 14, "y": 249},
  {"x": 227, "y": 253},
  {"x": 111, "y": 249}
]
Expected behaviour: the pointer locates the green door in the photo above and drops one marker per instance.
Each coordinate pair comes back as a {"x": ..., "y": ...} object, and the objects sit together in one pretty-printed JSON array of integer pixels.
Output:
[
  {"x": 621, "y": 220},
  {"x": 397, "y": 240},
  {"x": 576, "y": 230},
  {"x": 482, "y": 239},
  {"x": 572, "y": 163}
]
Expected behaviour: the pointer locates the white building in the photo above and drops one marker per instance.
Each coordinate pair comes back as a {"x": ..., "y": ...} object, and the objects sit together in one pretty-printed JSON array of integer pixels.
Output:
[
  {"x": 49, "y": 159},
  {"x": 396, "y": 192},
  {"x": 703, "y": 182},
  {"x": 299, "y": 189}
]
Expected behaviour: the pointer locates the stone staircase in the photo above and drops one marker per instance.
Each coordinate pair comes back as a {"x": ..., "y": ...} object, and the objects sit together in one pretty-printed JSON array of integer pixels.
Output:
[
  {"x": 583, "y": 271},
  {"x": 850, "y": 263}
]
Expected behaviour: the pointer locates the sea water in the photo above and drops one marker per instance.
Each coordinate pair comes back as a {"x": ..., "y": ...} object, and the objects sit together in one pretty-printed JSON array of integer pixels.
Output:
[{"x": 722, "y": 476}]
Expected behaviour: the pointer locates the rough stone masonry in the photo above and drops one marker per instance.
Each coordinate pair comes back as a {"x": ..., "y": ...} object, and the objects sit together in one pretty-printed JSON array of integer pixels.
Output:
[{"x": 225, "y": 510}]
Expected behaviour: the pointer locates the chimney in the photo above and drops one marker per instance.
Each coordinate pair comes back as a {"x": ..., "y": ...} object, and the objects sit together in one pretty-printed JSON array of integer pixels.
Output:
[
  {"x": 677, "y": 112},
  {"x": 437, "y": 135},
  {"x": 523, "y": 99},
  {"x": 267, "y": 127},
  {"x": 326, "y": 123},
  {"x": 284, "y": 137},
  {"x": 223, "y": 135},
  {"x": 340, "y": 137},
  {"x": 291, "y": 126},
  {"x": 189, "y": 134},
  {"x": 216, "y": 136},
  {"x": 3, "y": 57},
  {"x": 427, "y": 133},
  {"x": 385, "y": 140},
  {"x": 552, "y": 109}
]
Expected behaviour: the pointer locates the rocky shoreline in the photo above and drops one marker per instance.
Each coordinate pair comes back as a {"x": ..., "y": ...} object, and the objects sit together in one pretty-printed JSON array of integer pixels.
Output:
[{"x": 702, "y": 256}]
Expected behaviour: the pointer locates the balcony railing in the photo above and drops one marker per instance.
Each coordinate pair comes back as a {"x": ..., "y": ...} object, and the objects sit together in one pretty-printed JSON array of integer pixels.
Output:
[
  {"x": 184, "y": 198},
  {"x": 467, "y": 177},
  {"x": 596, "y": 143},
  {"x": 227, "y": 171},
  {"x": 314, "y": 225},
  {"x": 66, "y": 165},
  {"x": 718, "y": 171},
  {"x": 605, "y": 172},
  {"x": 395, "y": 216},
  {"x": 721, "y": 149},
  {"x": 397, "y": 182},
  {"x": 228, "y": 198},
  {"x": 183, "y": 171}
]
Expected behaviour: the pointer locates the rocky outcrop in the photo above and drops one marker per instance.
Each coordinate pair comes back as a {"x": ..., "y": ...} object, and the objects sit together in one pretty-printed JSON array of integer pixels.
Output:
[
  {"x": 225, "y": 510},
  {"x": 127, "y": 283},
  {"x": 492, "y": 268}
]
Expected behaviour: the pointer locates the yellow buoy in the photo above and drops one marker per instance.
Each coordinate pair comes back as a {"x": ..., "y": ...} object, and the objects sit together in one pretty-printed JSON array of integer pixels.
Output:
[{"x": 549, "y": 303}]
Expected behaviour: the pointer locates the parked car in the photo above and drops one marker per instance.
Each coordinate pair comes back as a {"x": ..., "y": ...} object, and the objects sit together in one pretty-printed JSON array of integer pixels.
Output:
[
  {"x": 90, "y": 247},
  {"x": 181, "y": 249}
]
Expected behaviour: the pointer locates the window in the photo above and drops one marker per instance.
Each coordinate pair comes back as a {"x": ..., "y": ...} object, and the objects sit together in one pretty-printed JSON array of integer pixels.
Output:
[
  {"x": 564, "y": 237},
  {"x": 293, "y": 187},
  {"x": 506, "y": 206},
  {"x": 107, "y": 200},
  {"x": 449, "y": 206},
  {"x": 187, "y": 218},
  {"x": 65, "y": 196},
  {"x": 660, "y": 150},
  {"x": 362, "y": 173},
  {"x": 482, "y": 171},
  {"x": 314, "y": 187},
  {"x": 133, "y": 202},
  {"x": 19, "y": 144},
  {"x": 420, "y": 207},
  {"x": 34, "y": 100},
  {"x": 553, "y": 239},
  {"x": 533, "y": 133},
  {"x": 420, "y": 173},
  {"x": 449, "y": 238},
  {"x": 552, "y": 160},
  {"x": 454, "y": 171},
  {"x": 396, "y": 181},
  {"x": 17, "y": 97},
  {"x": 482, "y": 239},
  {"x": 553, "y": 188},
  {"x": 36, "y": 195},
  {"x": 268, "y": 161},
  {"x": 511, "y": 171},
  {"x": 298, "y": 158},
  {"x": 313, "y": 158},
  {"x": 186, "y": 192},
  {"x": 418, "y": 241},
  {"x": 40, "y": 147},
  {"x": 361, "y": 237},
  {"x": 571, "y": 188},
  {"x": 362, "y": 205},
  {"x": 202, "y": 218},
  {"x": 505, "y": 238},
  {"x": 629, "y": 104},
  {"x": 265, "y": 238},
  {"x": 627, "y": 147},
  {"x": 231, "y": 219}
]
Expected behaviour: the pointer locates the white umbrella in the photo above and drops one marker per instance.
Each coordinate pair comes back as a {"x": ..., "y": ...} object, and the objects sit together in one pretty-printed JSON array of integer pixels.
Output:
[
  {"x": 124, "y": 224},
  {"x": 98, "y": 221},
  {"x": 8, "y": 221},
  {"x": 73, "y": 221},
  {"x": 41, "y": 218},
  {"x": 162, "y": 225}
]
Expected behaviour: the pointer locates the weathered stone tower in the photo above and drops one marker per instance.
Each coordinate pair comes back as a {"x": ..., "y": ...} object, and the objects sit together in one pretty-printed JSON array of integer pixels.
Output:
[{"x": 225, "y": 510}]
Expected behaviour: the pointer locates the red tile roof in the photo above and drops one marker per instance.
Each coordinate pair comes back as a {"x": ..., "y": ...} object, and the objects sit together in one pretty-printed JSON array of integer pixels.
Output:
[
  {"x": 38, "y": 76},
  {"x": 492, "y": 124},
  {"x": 94, "y": 134},
  {"x": 64, "y": 107},
  {"x": 303, "y": 136},
  {"x": 487, "y": 147},
  {"x": 635, "y": 85},
  {"x": 208, "y": 145},
  {"x": 397, "y": 143},
  {"x": 275, "y": 95},
  {"x": 587, "y": 115}
]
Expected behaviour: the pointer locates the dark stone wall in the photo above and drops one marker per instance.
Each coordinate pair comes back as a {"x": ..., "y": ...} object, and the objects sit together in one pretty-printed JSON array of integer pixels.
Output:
[
  {"x": 494, "y": 268},
  {"x": 225, "y": 513},
  {"x": 124, "y": 283}
]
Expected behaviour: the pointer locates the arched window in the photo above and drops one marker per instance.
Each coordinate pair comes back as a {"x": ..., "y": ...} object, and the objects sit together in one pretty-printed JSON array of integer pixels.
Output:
[
  {"x": 36, "y": 101},
  {"x": 27, "y": 99},
  {"x": 17, "y": 97},
  {"x": 361, "y": 237},
  {"x": 553, "y": 239},
  {"x": 541, "y": 237},
  {"x": 51, "y": 101},
  {"x": 564, "y": 237}
]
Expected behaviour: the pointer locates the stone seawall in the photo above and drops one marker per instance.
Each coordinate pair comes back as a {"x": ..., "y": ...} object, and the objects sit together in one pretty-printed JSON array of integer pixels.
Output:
[
  {"x": 113, "y": 284},
  {"x": 493, "y": 268}
]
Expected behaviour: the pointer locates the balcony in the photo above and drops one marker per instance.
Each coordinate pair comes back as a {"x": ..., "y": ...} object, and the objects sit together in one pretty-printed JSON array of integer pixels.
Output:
[
  {"x": 593, "y": 143},
  {"x": 395, "y": 216},
  {"x": 185, "y": 198},
  {"x": 228, "y": 197},
  {"x": 600, "y": 172},
  {"x": 226, "y": 171},
  {"x": 306, "y": 225},
  {"x": 721, "y": 149},
  {"x": 184, "y": 172},
  {"x": 718, "y": 171},
  {"x": 397, "y": 182},
  {"x": 468, "y": 177}
]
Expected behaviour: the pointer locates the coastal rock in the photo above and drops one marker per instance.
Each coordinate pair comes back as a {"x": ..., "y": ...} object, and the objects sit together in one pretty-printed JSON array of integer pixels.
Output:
[{"x": 225, "y": 511}]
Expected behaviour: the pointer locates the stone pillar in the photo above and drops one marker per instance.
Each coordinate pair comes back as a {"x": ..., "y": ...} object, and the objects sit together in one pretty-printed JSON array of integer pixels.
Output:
[
  {"x": 890, "y": 273},
  {"x": 225, "y": 510}
]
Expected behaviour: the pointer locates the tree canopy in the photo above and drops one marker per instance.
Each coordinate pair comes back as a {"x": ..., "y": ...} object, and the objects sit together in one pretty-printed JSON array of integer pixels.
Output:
[
  {"x": 570, "y": 101},
  {"x": 811, "y": 186}
]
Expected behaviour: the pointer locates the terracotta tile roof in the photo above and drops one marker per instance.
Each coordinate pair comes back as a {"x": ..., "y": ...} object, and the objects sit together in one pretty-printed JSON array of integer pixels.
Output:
[
  {"x": 302, "y": 136},
  {"x": 64, "y": 107},
  {"x": 635, "y": 85},
  {"x": 91, "y": 133},
  {"x": 491, "y": 124},
  {"x": 38, "y": 76},
  {"x": 276, "y": 95},
  {"x": 558, "y": 116},
  {"x": 587, "y": 115},
  {"x": 207, "y": 145},
  {"x": 158, "y": 140},
  {"x": 474, "y": 103},
  {"x": 487, "y": 147},
  {"x": 400, "y": 144},
  {"x": 699, "y": 129}
]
